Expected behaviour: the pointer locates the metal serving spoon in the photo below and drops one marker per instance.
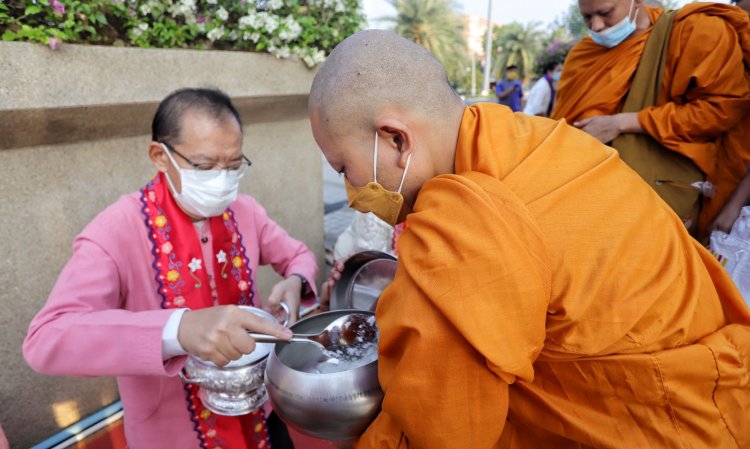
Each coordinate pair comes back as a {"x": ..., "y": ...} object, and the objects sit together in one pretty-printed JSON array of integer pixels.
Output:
[{"x": 354, "y": 329}]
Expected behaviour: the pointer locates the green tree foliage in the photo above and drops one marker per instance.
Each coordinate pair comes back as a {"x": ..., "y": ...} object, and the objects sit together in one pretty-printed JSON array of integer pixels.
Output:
[
  {"x": 517, "y": 44},
  {"x": 435, "y": 25},
  {"x": 572, "y": 22}
]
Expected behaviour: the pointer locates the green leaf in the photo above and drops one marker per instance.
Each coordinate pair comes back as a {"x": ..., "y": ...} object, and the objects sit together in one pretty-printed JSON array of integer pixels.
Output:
[
  {"x": 101, "y": 18},
  {"x": 32, "y": 9},
  {"x": 9, "y": 35}
]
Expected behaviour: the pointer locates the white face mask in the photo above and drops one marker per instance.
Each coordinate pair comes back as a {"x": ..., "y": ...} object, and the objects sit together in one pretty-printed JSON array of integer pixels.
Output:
[
  {"x": 205, "y": 193},
  {"x": 614, "y": 35}
]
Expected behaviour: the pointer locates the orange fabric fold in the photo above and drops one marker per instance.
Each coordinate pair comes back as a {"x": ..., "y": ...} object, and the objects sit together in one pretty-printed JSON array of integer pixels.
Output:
[
  {"x": 704, "y": 103},
  {"x": 530, "y": 309}
]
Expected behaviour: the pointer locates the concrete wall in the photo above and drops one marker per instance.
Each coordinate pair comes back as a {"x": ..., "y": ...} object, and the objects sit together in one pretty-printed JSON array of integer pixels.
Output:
[{"x": 74, "y": 128}]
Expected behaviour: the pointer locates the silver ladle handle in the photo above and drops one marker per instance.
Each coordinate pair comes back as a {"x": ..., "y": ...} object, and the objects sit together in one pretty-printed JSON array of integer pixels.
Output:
[{"x": 263, "y": 338}]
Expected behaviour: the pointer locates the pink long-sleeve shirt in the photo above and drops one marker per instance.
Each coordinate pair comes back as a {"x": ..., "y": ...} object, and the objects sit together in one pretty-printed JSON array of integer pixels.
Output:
[{"x": 104, "y": 315}]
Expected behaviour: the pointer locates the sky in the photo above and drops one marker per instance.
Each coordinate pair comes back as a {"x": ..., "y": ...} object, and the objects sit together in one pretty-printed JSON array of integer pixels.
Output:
[{"x": 503, "y": 11}]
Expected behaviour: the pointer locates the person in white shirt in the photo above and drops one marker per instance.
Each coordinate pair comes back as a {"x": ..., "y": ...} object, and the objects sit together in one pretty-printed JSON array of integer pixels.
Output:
[{"x": 542, "y": 95}]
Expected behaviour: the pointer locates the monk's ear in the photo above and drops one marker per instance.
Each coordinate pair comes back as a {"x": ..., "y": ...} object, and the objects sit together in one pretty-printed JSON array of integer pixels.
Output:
[
  {"x": 158, "y": 156},
  {"x": 399, "y": 136}
]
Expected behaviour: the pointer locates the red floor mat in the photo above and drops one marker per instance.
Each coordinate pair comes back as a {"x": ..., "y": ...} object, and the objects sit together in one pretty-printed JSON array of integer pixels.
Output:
[{"x": 113, "y": 437}]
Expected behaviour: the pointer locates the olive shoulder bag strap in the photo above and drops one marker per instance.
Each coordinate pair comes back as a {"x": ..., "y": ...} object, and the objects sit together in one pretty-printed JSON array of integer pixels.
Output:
[{"x": 667, "y": 172}]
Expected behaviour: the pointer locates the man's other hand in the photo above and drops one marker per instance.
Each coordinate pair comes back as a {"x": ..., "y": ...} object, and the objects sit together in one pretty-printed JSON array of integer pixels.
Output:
[{"x": 288, "y": 291}]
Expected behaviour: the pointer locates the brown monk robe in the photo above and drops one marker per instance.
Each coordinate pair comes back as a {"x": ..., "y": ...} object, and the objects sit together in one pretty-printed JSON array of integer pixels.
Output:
[
  {"x": 704, "y": 96},
  {"x": 529, "y": 309}
]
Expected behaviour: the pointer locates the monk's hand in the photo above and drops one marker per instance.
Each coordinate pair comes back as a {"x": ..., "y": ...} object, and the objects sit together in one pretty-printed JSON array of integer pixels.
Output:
[
  {"x": 288, "y": 291},
  {"x": 327, "y": 287},
  {"x": 726, "y": 218},
  {"x": 606, "y": 128},
  {"x": 220, "y": 334}
]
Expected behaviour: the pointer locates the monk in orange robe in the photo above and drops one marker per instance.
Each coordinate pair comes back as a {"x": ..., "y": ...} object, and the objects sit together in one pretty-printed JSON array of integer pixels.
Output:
[
  {"x": 702, "y": 111},
  {"x": 529, "y": 308}
]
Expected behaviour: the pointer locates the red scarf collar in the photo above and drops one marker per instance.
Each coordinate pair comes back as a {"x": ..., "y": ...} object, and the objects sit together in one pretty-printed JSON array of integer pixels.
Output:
[{"x": 184, "y": 282}]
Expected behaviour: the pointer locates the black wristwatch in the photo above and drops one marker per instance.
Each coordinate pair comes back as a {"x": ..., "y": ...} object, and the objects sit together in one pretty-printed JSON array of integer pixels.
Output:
[{"x": 305, "y": 285}]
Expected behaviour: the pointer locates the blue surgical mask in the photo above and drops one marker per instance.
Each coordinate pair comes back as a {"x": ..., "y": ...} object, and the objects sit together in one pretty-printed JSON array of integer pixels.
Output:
[
  {"x": 556, "y": 76},
  {"x": 614, "y": 35}
]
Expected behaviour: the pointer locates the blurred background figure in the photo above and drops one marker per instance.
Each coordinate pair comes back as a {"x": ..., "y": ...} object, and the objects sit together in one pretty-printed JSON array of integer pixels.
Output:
[
  {"x": 542, "y": 95},
  {"x": 509, "y": 91},
  {"x": 549, "y": 63}
]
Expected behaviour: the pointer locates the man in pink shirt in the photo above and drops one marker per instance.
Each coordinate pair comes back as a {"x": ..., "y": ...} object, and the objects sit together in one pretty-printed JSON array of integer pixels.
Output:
[{"x": 158, "y": 275}]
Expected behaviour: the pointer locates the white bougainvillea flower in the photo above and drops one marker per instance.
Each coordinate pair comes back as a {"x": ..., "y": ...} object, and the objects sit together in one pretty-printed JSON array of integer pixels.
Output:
[{"x": 222, "y": 14}]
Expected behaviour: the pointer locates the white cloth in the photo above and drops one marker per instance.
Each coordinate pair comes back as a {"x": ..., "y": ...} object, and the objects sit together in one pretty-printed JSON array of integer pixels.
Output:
[
  {"x": 366, "y": 233},
  {"x": 538, "y": 100},
  {"x": 170, "y": 345},
  {"x": 733, "y": 251}
]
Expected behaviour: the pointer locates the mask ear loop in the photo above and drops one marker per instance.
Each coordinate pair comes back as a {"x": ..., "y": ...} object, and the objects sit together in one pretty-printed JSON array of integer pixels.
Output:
[
  {"x": 375, "y": 159},
  {"x": 403, "y": 176},
  {"x": 174, "y": 163}
]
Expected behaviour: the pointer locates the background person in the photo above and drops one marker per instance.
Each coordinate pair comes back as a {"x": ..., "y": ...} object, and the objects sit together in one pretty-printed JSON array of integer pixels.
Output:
[
  {"x": 508, "y": 90},
  {"x": 542, "y": 95},
  {"x": 699, "y": 117}
]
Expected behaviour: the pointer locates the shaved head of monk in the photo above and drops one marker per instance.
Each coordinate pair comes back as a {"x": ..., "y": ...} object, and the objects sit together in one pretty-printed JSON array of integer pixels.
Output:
[{"x": 378, "y": 82}]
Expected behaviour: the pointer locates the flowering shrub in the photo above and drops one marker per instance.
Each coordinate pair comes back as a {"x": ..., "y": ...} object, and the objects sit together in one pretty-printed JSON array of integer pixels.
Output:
[
  {"x": 554, "y": 54},
  {"x": 308, "y": 29}
]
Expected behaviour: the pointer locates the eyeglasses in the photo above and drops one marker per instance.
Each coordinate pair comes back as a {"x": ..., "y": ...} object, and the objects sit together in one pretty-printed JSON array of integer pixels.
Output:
[{"x": 241, "y": 165}]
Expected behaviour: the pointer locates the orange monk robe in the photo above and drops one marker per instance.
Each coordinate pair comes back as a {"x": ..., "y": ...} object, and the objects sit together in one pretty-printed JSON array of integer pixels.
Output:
[
  {"x": 704, "y": 102},
  {"x": 530, "y": 310}
]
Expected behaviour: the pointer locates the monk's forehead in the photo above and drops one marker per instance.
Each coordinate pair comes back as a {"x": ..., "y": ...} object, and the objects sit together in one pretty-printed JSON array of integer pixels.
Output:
[
  {"x": 599, "y": 6},
  {"x": 333, "y": 138}
]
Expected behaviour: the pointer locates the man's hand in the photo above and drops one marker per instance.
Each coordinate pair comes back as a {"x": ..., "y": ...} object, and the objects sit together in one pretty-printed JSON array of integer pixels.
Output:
[
  {"x": 288, "y": 291},
  {"x": 219, "y": 334},
  {"x": 327, "y": 287},
  {"x": 606, "y": 128}
]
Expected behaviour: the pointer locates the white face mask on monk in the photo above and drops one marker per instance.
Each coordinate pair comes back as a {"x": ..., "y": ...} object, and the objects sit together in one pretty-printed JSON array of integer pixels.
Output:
[
  {"x": 205, "y": 193},
  {"x": 614, "y": 35}
]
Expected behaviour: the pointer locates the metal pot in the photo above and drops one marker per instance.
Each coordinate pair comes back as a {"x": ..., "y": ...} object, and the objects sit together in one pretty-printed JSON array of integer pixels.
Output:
[
  {"x": 236, "y": 388},
  {"x": 332, "y": 406},
  {"x": 363, "y": 279}
]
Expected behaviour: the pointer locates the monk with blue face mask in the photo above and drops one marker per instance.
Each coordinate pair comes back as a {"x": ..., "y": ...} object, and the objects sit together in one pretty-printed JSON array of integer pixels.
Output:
[{"x": 671, "y": 92}]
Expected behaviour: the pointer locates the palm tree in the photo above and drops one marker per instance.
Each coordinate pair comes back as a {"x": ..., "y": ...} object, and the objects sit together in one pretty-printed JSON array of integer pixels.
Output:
[
  {"x": 517, "y": 44},
  {"x": 436, "y": 26}
]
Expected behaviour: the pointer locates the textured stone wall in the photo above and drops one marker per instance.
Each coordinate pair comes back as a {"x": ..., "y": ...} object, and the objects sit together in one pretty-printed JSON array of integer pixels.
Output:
[{"x": 74, "y": 130}]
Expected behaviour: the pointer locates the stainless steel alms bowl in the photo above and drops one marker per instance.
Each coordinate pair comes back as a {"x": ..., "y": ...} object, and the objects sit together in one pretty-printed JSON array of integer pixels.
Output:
[
  {"x": 363, "y": 279},
  {"x": 237, "y": 388},
  {"x": 332, "y": 406}
]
